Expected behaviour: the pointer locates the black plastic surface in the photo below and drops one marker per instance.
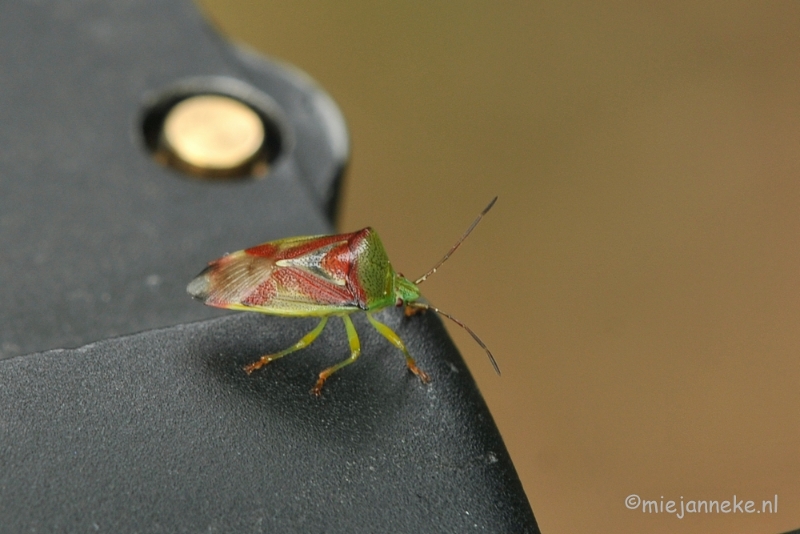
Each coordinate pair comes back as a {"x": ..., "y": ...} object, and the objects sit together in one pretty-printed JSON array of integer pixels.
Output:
[
  {"x": 98, "y": 239},
  {"x": 162, "y": 431}
]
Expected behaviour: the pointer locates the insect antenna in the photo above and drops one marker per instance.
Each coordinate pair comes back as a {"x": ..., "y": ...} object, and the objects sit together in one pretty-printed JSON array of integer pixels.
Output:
[
  {"x": 458, "y": 243},
  {"x": 462, "y": 325}
]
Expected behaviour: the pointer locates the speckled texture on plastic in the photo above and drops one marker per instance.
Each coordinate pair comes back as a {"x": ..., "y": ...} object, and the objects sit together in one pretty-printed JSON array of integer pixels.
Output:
[{"x": 164, "y": 432}]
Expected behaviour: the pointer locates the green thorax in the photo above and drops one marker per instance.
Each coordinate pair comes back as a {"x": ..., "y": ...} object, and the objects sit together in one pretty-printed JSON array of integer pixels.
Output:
[{"x": 380, "y": 284}]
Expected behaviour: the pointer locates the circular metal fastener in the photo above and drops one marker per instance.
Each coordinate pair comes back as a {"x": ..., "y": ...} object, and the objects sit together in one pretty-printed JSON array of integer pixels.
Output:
[{"x": 213, "y": 132}]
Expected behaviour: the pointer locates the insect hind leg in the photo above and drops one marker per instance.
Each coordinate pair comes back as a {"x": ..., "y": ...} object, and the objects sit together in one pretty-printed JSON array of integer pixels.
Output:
[
  {"x": 395, "y": 340},
  {"x": 355, "y": 352},
  {"x": 305, "y": 341}
]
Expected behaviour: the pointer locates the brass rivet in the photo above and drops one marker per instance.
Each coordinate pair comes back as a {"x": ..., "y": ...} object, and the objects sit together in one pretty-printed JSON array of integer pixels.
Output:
[{"x": 213, "y": 132}]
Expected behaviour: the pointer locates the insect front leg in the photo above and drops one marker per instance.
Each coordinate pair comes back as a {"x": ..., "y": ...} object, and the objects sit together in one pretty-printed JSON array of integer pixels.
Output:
[
  {"x": 389, "y": 334},
  {"x": 355, "y": 352},
  {"x": 411, "y": 311},
  {"x": 305, "y": 341}
]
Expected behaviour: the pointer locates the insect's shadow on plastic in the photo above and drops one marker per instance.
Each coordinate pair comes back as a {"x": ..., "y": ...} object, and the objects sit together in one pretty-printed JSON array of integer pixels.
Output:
[{"x": 370, "y": 394}]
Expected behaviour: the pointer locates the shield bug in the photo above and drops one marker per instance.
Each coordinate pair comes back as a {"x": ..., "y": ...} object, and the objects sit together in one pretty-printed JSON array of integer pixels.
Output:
[{"x": 321, "y": 276}]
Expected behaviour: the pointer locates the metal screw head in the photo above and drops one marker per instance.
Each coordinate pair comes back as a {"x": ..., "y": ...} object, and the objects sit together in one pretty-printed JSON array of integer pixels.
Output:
[{"x": 213, "y": 133}]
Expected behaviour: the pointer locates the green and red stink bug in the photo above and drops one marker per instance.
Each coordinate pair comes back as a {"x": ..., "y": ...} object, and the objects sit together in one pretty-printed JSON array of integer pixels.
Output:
[{"x": 321, "y": 276}]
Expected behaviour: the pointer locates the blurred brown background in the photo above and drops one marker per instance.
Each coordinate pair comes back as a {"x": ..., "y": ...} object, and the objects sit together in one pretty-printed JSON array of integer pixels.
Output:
[{"x": 638, "y": 279}]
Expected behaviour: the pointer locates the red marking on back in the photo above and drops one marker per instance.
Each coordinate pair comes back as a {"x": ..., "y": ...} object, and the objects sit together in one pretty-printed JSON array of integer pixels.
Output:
[
  {"x": 338, "y": 261},
  {"x": 266, "y": 250},
  {"x": 262, "y": 294},
  {"x": 311, "y": 246},
  {"x": 355, "y": 243},
  {"x": 315, "y": 288}
]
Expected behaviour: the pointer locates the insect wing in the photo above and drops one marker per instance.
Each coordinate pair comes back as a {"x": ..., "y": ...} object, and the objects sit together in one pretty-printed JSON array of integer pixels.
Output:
[{"x": 296, "y": 276}]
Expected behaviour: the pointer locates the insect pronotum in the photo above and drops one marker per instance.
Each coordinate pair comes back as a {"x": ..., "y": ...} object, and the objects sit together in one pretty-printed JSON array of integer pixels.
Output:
[{"x": 321, "y": 276}]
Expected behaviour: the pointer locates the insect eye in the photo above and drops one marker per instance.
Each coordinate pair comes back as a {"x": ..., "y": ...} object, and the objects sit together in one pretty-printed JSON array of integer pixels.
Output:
[{"x": 398, "y": 302}]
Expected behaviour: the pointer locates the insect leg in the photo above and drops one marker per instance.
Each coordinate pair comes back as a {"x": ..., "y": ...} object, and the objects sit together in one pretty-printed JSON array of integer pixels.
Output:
[
  {"x": 389, "y": 334},
  {"x": 411, "y": 311},
  {"x": 355, "y": 352},
  {"x": 305, "y": 341}
]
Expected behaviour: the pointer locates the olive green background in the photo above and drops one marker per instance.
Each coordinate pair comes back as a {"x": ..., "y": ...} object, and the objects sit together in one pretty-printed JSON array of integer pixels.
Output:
[{"x": 639, "y": 277}]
